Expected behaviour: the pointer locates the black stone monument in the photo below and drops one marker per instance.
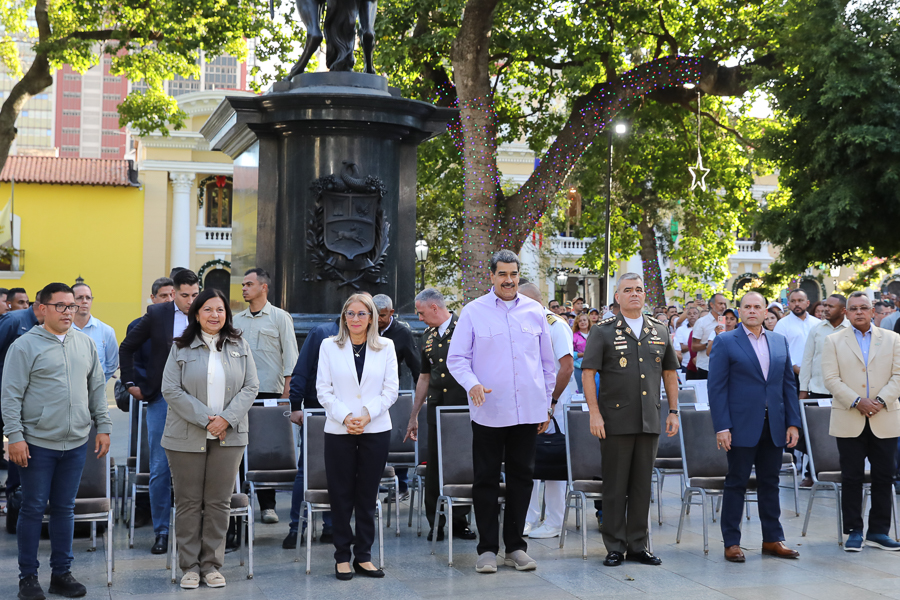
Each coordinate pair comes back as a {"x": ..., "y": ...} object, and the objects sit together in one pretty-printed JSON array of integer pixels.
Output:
[{"x": 325, "y": 189}]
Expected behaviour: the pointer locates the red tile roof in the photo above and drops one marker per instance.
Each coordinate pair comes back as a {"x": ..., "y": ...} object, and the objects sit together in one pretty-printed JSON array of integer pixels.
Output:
[{"x": 71, "y": 171}]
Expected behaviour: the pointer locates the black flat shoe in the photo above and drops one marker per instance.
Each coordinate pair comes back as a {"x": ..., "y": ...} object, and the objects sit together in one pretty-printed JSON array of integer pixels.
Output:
[
  {"x": 367, "y": 572},
  {"x": 161, "y": 546},
  {"x": 440, "y": 534},
  {"x": 613, "y": 559},
  {"x": 342, "y": 576},
  {"x": 643, "y": 557},
  {"x": 464, "y": 533}
]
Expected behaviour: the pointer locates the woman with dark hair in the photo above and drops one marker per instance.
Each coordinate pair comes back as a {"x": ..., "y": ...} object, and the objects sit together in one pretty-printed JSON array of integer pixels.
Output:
[
  {"x": 771, "y": 319},
  {"x": 817, "y": 310},
  {"x": 356, "y": 383},
  {"x": 210, "y": 384}
]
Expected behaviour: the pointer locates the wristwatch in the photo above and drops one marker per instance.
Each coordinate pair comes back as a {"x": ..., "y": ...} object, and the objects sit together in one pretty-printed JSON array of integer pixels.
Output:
[
  {"x": 855, "y": 402},
  {"x": 672, "y": 411},
  {"x": 880, "y": 400}
]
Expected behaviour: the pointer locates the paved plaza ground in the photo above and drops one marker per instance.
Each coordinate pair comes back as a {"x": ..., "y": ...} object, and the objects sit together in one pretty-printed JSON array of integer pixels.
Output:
[{"x": 823, "y": 571}]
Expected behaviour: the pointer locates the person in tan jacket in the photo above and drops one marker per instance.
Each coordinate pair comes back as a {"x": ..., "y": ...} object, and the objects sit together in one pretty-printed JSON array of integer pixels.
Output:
[
  {"x": 861, "y": 368},
  {"x": 209, "y": 383}
]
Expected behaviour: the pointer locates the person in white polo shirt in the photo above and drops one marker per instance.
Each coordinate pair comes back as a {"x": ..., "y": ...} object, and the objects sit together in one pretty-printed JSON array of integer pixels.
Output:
[
  {"x": 705, "y": 329},
  {"x": 795, "y": 326}
]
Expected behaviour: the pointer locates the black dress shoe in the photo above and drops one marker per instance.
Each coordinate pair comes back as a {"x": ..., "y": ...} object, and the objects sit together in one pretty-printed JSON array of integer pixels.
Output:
[
  {"x": 290, "y": 542},
  {"x": 30, "y": 588},
  {"x": 367, "y": 572},
  {"x": 464, "y": 533},
  {"x": 342, "y": 576},
  {"x": 643, "y": 557},
  {"x": 161, "y": 546},
  {"x": 66, "y": 585},
  {"x": 440, "y": 534},
  {"x": 613, "y": 559}
]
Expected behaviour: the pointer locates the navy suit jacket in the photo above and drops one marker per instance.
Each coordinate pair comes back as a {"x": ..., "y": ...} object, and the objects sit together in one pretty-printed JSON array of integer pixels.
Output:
[
  {"x": 155, "y": 326},
  {"x": 303, "y": 379},
  {"x": 739, "y": 394}
]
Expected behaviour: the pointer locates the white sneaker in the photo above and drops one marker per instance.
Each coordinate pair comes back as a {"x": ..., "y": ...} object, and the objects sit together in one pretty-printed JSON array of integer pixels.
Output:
[
  {"x": 486, "y": 563},
  {"x": 529, "y": 526},
  {"x": 520, "y": 560},
  {"x": 269, "y": 516},
  {"x": 543, "y": 532},
  {"x": 190, "y": 580},
  {"x": 214, "y": 580}
]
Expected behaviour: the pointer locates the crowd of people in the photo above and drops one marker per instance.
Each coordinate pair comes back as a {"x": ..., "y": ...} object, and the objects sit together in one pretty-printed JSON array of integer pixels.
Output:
[{"x": 199, "y": 369}]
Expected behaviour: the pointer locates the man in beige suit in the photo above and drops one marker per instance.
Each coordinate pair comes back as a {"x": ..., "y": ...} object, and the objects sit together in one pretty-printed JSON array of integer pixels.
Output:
[{"x": 861, "y": 368}]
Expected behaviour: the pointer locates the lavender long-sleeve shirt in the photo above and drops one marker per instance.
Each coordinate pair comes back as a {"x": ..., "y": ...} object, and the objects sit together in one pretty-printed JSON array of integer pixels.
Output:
[{"x": 507, "y": 350}]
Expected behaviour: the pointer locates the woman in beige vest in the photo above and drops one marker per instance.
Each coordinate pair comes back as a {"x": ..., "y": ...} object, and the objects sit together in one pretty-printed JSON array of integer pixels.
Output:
[{"x": 210, "y": 383}]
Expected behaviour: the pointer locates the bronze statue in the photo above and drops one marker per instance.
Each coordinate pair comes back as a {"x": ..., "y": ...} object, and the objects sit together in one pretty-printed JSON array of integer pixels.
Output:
[{"x": 340, "y": 32}]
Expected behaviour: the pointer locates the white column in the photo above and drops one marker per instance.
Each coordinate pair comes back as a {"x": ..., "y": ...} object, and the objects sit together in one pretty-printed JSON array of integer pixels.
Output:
[{"x": 182, "y": 186}]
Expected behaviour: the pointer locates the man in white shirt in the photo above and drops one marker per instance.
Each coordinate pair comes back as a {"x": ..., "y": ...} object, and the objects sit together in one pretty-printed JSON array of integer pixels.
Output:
[
  {"x": 705, "y": 329},
  {"x": 554, "y": 491},
  {"x": 103, "y": 335},
  {"x": 683, "y": 333},
  {"x": 796, "y": 326},
  {"x": 812, "y": 383}
]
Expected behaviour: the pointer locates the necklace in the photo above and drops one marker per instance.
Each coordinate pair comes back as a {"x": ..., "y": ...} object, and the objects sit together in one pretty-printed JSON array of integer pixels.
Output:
[{"x": 357, "y": 350}]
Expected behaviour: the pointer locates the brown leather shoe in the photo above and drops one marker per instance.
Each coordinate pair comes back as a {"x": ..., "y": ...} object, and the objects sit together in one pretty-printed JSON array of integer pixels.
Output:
[
  {"x": 734, "y": 554},
  {"x": 779, "y": 549}
]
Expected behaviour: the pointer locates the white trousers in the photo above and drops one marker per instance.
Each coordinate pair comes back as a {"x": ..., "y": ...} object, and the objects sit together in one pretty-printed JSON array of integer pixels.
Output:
[{"x": 555, "y": 501}]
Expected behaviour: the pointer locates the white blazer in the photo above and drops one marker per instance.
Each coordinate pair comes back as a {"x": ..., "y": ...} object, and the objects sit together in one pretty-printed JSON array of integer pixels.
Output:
[{"x": 341, "y": 393}]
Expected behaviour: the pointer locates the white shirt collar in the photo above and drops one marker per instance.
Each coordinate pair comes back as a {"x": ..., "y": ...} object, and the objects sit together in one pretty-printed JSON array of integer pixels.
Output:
[{"x": 442, "y": 328}]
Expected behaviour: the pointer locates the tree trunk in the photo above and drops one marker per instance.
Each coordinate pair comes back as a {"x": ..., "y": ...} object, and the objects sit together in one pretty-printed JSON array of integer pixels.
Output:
[
  {"x": 653, "y": 283},
  {"x": 35, "y": 81},
  {"x": 478, "y": 125}
]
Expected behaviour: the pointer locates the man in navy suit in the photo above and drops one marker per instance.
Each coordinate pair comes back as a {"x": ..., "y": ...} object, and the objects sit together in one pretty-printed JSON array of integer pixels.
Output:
[
  {"x": 159, "y": 326},
  {"x": 753, "y": 400}
]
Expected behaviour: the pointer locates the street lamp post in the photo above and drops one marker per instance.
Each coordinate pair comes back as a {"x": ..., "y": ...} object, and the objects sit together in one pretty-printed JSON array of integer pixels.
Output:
[
  {"x": 562, "y": 278},
  {"x": 422, "y": 256},
  {"x": 620, "y": 129}
]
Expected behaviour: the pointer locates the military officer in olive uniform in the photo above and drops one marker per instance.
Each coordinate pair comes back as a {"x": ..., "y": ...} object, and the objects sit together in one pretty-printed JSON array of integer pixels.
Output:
[
  {"x": 632, "y": 352},
  {"x": 439, "y": 388}
]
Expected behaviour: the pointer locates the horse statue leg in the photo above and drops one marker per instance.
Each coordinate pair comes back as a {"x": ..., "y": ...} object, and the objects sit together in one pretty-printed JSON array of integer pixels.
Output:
[
  {"x": 311, "y": 15},
  {"x": 367, "y": 9}
]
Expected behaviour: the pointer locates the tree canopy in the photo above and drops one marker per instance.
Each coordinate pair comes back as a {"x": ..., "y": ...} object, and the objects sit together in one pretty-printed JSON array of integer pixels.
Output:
[{"x": 838, "y": 144}]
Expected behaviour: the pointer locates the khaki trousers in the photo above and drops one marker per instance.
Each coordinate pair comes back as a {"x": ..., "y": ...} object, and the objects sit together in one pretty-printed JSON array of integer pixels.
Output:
[{"x": 203, "y": 482}]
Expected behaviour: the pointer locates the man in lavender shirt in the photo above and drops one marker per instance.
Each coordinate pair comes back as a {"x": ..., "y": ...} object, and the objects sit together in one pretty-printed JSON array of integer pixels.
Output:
[
  {"x": 754, "y": 406},
  {"x": 502, "y": 355}
]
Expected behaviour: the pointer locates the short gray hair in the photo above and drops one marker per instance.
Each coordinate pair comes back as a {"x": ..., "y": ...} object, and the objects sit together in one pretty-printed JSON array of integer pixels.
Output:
[
  {"x": 431, "y": 296},
  {"x": 504, "y": 256},
  {"x": 383, "y": 301},
  {"x": 857, "y": 295},
  {"x": 628, "y": 277}
]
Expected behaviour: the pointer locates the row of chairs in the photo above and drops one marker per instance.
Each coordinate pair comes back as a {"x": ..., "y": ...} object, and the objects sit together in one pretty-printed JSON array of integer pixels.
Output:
[{"x": 692, "y": 456}]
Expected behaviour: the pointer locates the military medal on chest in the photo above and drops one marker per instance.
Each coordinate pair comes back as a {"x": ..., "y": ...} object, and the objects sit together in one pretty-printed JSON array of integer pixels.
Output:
[{"x": 623, "y": 362}]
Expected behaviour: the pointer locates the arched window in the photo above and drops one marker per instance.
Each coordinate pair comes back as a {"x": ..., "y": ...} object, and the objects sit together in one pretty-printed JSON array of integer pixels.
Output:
[{"x": 218, "y": 202}]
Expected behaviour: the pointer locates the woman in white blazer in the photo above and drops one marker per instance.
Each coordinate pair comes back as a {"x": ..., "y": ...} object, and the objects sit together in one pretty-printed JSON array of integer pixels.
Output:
[{"x": 357, "y": 384}]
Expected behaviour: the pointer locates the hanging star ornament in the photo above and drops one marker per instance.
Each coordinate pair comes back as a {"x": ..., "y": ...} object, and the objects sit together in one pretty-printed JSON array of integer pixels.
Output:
[{"x": 702, "y": 171}]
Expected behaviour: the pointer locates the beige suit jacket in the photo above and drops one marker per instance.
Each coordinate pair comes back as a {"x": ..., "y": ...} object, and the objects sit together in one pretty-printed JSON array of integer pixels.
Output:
[{"x": 845, "y": 373}]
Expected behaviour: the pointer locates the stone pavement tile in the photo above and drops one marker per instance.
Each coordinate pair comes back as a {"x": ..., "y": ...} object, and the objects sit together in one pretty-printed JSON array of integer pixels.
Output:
[
  {"x": 506, "y": 582},
  {"x": 833, "y": 591},
  {"x": 583, "y": 578},
  {"x": 698, "y": 594},
  {"x": 767, "y": 592}
]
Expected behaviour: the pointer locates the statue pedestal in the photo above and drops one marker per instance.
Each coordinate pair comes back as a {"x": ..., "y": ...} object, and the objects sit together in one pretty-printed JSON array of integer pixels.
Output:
[{"x": 354, "y": 140}]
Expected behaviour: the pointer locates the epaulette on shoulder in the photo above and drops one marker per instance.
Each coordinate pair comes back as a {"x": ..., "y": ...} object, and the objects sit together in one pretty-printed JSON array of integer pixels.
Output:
[
  {"x": 551, "y": 318},
  {"x": 655, "y": 320},
  {"x": 608, "y": 320}
]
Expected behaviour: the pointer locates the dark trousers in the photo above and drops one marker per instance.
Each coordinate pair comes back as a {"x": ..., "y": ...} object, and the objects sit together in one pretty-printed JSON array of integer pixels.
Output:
[
  {"x": 627, "y": 462},
  {"x": 767, "y": 456},
  {"x": 432, "y": 487},
  {"x": 880, "y": 452},
  {"x": 354, "y": 465},
  {"x": 698, "y": 374},
  {"x": 51, "y": 477},
  {"x": 490, "y": 447}
]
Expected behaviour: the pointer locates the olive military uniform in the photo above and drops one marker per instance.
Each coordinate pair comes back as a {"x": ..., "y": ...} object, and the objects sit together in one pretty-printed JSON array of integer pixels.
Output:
[
  {"x": 443, "y": 390},
  {"x": 631, "y": 364}
]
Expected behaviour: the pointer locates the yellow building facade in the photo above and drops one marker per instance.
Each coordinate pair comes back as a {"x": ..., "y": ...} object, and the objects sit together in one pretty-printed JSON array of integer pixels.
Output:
[{"x": 75, "y": 218}]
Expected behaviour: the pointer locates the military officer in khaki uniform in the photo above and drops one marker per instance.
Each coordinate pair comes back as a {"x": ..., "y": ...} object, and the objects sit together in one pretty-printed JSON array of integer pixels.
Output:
[
  {"x": 632, "y": 352},
  {"x": 438, "y": 387}
]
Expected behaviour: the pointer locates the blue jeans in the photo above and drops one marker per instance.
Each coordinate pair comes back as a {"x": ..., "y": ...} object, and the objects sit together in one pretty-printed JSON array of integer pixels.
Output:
[
  {"x": 160, "y": 478},
  {"x": 402, "y": 479},
  {"x": 578, "y": 386},
  {"x": 297, "y": 496},
  {"x": 51, "y": 476}
]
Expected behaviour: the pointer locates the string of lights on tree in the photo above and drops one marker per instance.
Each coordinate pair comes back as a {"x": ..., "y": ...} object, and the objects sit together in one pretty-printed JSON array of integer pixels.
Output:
[
  {"x": 652, "y": 274},
  {"x": 486, "y": 227}
]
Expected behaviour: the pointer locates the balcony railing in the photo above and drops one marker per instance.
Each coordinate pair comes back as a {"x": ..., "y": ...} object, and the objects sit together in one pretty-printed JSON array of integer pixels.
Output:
[
  {"x": 569, "y": 245},
  {"x": 214, "y": 237}
]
